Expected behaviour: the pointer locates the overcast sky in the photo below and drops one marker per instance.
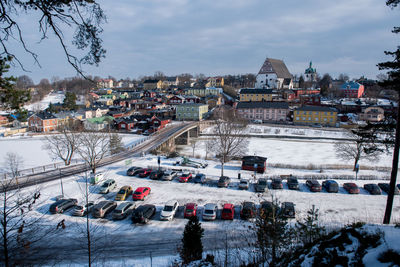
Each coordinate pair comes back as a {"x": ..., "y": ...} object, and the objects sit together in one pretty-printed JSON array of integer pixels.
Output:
[{"x": 218, "y": 37}]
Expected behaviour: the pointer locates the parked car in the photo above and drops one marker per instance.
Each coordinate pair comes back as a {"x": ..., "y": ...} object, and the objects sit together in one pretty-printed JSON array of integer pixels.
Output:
[
  {"x": 352, "y": 188},
  {"x": 244, "y": 184},
  {"x": 82, "y": 210},
  {"x": 141, "y": 193},
  {"x": 373, "y": 189},
  {"x": 330, "y": 186},
  {"x": 107, "y": 186},
  {"x": 190, "y": 210},
  {"x": 224, "y": 181},
  {"x": 313, "y": 185},
  {"x": 210, "y": 212},
  {"x": 185, "y": 177},
  {"x": 123, "y": 193},
  {"x": 288, "y": 209},
  {"x": 62, "y": 205},
  {"x": 398, "y": 186},
  {"x": 101, "y": 209},
  {"x": 200, "y": 178},
  {"x": 228, "y": 212},
  {"x": 248, "y": 210},
  {"x": 266, "y": 207},
  {"x": 144, "y": 173},
  {"x": 132, "y": 170},
  {"x": 169, "y": 210},
  {"x": 123, "y": 210},
  {"x": 385, "y": 188},
  {"x": 137, "y": 172},
  {"x": 293, "y": 183},
  {"x": 261, "y": 185},
  {"x": 169, "y": 176},
  {"x": 277, "y": 183},
  {"x": 143, "y": 213},
  {"x": 156, "y": 175}
]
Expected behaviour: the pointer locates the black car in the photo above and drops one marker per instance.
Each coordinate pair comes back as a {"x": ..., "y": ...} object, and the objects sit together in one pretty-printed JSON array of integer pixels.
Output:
[
  {"x": 288, "y": 210},
  {"x": 200, "y": 178},
  {"x": 276, "y": 183},
  {"x": 62, "y": 205},
  {"x": 266, "y": 207},
  {"x": 157, "y": 175},
  {"x": 143, "y": 213},
  {"x": 293, "y": 183},
  {"x": 313, "y": 185},
  {"x": 373, "y": 189},
  {"x": 248, "y": 210},
  {"x": 330, "y": 186},
  {"x": 385, "y": 188},
  {"x": 132, "y": 170},
  {"x": 261, "y": 185}
]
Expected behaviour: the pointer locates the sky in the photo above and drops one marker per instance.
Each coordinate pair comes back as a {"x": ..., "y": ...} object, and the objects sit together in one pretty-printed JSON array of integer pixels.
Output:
[{"x": 219, "y": 37}]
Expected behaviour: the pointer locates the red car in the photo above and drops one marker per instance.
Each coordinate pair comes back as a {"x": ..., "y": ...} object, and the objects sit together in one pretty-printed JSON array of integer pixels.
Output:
[
  {"x": 190, "y": 210},
  {"x": 185, "y": 177},
  {"x": 228, "y": 212},
  {"x": 352, "y": 188},
  {"x": 140, "y": 193},
  {"x": 145, "y": 173}
]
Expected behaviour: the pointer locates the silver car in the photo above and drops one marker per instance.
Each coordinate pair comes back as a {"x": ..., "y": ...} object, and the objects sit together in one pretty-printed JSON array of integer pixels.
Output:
[
  {"x": 169, "y": 176},
  {"x": 244, "y": 184},
  {"x": 123, "y": 210},
  {"x": 83, "y": 210},
  {"x": 103, "y": 207},
  {"x": 210, "y": 212},
  {"x": 107, "y": 186}
]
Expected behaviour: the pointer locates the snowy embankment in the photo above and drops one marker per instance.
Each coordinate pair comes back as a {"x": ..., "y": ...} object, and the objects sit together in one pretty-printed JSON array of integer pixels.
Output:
[
  {"x": 55, "y": 97},
  {"x": 31, "y": 149}
]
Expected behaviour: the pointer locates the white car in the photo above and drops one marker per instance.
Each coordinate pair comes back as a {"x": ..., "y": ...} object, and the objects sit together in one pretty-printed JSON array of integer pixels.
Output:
[
  {"x": 107, "y": 186},
  {"x": 210, "y": 212},
  {"x": 169, "y": 210},
  {"x": 83, "y": 210},
  {"x": 244, "y": 184}
]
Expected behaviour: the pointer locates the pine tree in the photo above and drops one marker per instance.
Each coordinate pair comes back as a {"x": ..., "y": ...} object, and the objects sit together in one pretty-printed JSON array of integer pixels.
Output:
[
  {"x": 116, "y": 145},
  {"x": 70, "y": 101},
  {"x": 308, "y": 230},
  {"x": 273, "y": 233},
  {"x": 192, "y": 247}
]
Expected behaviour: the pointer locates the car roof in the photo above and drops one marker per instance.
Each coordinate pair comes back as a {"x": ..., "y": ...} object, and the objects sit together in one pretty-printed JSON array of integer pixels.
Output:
[
  {"x": 248, "y": 203},
  {"x": 351, "y": 184},
  {"x": 109, "y": 180},
  {"x": 123, "y": 205},
  {"x": 140, "y": 189},
  {"x": 210, "y": 206},
  {"x": 126, "y": 187}
]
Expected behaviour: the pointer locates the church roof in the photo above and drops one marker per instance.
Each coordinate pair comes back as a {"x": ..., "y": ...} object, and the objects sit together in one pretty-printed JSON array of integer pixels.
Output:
[
  {"x": 310, "y": 69},
  {"x": 275, "y": 66}
]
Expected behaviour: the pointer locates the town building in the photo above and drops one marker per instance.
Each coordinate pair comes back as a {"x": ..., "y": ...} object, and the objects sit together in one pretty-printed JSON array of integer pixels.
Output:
[
  {"x": 203, "y": 92},
  {"x": 312, "y": 115},
  {"x": 265, "y": 111},
  {"x": 274, "y": 74},
  {"x": 215, "y": 82},
  {"x": 372, "y": 114},
  {"x": 188, "y": 111},
  {"x": 310, "y": 74},
  {"x": 249, "y": 94},
  {"x": 352, "y": 89},
  {"x": 105, "y": 83},
  {"x": 42, "y": 122}
]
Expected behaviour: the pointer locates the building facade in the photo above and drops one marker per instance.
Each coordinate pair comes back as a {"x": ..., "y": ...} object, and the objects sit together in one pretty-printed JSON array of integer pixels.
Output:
[
  {"x": 255, "y": 95},
  {"x": 274, "y": 74},
  {"x": 265, "y": 111},
  {"x": 42, "y": 122},
  {"x": 352, "y": 89},
  {"x": 191, "y": 111},
  {"x": 313, "y": 115}
]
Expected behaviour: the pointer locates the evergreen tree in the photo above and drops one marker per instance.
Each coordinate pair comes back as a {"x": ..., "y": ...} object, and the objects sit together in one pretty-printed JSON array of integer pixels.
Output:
[
  {"x": 392, "y": 82},
  {"x": 273, "y": 233},
  {"x": 192, "y": 247},
  {"x": 308, "y": 229},
  {"x": 70, "y": 101},
  {"x": 116, "y": 145},
  {"x": 301, "y": 81}
]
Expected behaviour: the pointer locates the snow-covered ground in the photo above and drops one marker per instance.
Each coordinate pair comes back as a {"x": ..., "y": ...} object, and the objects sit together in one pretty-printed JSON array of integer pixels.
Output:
[
  {"x": 31, "y": 149},
  {"x": 55, "y": 97}
]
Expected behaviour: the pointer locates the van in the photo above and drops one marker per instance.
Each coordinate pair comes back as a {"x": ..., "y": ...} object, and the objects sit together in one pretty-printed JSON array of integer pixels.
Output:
[
  {"x": 228, "y": 212},
  {"x": 96, "y": 177}
]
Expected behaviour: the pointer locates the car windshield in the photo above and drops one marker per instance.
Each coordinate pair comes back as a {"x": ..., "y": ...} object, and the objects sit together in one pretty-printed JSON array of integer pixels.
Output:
[
  {"x": 262, "y": 182},
  {"x": 117, "y": 211},
  {"x": 105, "y": 185},
  {"x": 137, "y": 193},
  {"x": 208, "y": 212},
  {"x": 168, "y": 208},
  {"x": 189, "y": 210},
  {"x": 79, "y": 207},
  {"x": 292, "y": 181},
  {"x": 122, "y": 191},
  {"x": 243, "y": 182},
  {"x": 226, "y": 211}
]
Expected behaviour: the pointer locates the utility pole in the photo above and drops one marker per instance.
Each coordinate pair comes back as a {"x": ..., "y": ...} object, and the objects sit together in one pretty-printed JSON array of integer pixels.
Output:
[{"x": 62, "y": 187}]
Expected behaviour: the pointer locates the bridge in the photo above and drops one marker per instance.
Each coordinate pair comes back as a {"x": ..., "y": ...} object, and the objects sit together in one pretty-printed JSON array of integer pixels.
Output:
[{"x": 163, "y": 141}]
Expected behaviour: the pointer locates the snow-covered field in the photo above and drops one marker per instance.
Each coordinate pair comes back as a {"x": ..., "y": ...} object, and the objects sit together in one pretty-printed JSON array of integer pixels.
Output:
[
  {"x": 30, "y": 149},
  {"x": 55, "y": 97}
]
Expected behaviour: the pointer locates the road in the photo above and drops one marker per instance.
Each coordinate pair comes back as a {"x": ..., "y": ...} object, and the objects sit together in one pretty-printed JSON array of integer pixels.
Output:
[{"x": 145, "y": 147}]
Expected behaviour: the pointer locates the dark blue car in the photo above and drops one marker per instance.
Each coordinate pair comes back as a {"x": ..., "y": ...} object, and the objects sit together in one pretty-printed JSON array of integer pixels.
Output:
[
  {"x": 330, "y": 186},
  {"x": 200, "y": 178}
]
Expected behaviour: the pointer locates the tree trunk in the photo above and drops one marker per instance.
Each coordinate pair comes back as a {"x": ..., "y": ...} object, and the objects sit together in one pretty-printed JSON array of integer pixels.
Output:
[
  {"x": 393, "y": 176},
  {"x": 355, "y": 163},
  {"x": 222, "y": 168},
  {"x": 5, "y": 230},
  {"x": 88, "y": 227}
]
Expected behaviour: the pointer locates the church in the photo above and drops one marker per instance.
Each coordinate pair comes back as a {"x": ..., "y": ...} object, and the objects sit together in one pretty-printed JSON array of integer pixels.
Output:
[{"x": 274, "y": 75}]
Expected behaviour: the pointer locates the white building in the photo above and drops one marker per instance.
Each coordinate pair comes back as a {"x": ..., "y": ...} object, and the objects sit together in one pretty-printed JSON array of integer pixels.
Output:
[
  {"x": 274, "y": 75},
  {"x": 310, "y": 74}
]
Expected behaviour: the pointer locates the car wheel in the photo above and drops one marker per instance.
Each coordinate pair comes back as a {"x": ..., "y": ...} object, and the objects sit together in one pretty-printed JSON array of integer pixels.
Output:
[{"x": 61, "y": 211}]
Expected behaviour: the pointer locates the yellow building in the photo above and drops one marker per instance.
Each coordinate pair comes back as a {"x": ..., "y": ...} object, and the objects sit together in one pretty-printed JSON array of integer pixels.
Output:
[
  {"x": 312, "y": 115},
  {"x": 255, "y": 95}
]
